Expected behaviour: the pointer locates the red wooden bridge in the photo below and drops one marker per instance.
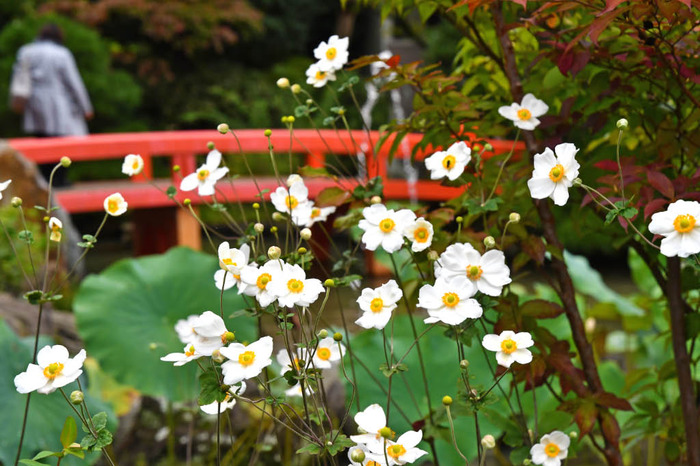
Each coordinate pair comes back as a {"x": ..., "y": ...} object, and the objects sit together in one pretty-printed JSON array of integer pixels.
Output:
[{"x": 182, "y": 148}]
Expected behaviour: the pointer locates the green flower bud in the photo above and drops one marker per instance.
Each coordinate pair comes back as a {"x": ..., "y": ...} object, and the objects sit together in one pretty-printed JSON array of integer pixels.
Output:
[
  {"x": 296, "y": 89},
  {"x": 77, "y": 397},
  {"x": 464, "y": 364},
  {"x": 622, "y": 123},
  {"x": 433, "y": 255},
  {"x": 187, "y": 202},
  {"x": 268, "y": 133},
  {"x": 329, "y": 283},
  {"x": 375, "y": 200},
  {"x": 337, "y": 336},
  {"x": 274, "y": 252},
  {"x": 273, "y": 229},
  {"x": 210, "y": 145},
  {"x": 514, "y": 217},
  {"x": 305, "y": 234},
  {"x": 489, "y": 242},
  {"x": 283, "y": 83},
  {"x": 386, "y": 433},
  {"x": 488, "y": 442},
  {"x": 357, "y": 455},
  {"x": 217, "y": 356},
  {"x": 259, "y": 228},
  {"x": 488, "y": 147},
  {"x": 176, "y": 168},
  {"x": 222, "y": 128},
  {"x": 301, "y": 250},
  {"x": 459, "y": 219},
  {"x": 16, "y": 202},
  {"x": 277, "y": 217},
  {"x": 65, "y": 162},
  {"x": 577, "y": 182},
  {"x": 256, "y": 206},
  {"x": 323, "y": 333},
  {"x": 228, "y": 337},
  {"x": 447, "y": 400}
]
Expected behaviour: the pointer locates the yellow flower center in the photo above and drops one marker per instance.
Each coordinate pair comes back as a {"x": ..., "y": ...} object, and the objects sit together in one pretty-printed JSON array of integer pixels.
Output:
[
  {"x": 315, "y": 212},
  {"x": 246, "y": 359},
  {"x": 449, "y": 162},
  {"x": 508, "y": 346},
  {"x": 556, "y": 173},
  {"x": 295, "y": 286},
  {"x": 53, "y": 370},
  {"x": 524, "y": 114},
  {"x": 202, "y": 174},
  {"x": 297, "y": 366},
  {"x": 421, "y": 234},
  {"x": 450, "y": 299},
  {"x": 135, "y": 165},
  {"x": 387, "y": 225},
  {"x": 320, "y": 75},
  {"x": 331, "y": 52},
  {"x": 263, "y": 280},
  {"x": 551, "y": 450},
  {"x": 292, "y": 202},
  {"x": 190, "y": 351},
  {"x": 372, "y": 463},
  {"x": 395, "y": 451},
  {"x": 55, "y": 227},
  {"x": 112, "y": 206},
  {"x": 323, "y": 353},
  {"x": 474, "y": 272},
  {"x": 684, "y": 223},
  {"x": 376, "y": 305}
]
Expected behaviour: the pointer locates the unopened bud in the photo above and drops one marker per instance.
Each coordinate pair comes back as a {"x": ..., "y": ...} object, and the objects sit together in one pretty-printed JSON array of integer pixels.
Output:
[
  {"x": 488, "y": 147},
  {"x": 447, "y": 400},
  {"x": 357, "y": 456},
  {"x": 488, "y": 442},
  {"x": 77, "y": 397},
  {"x": 187, "y": 201},
  {"x": 577, "y": 182},
  {"x": 385, "y": 432},
  {"x": 375, "y": 200},
  {"x": 256, "y": 206},
  {"x": 259, "y": 228},
  {"x": 268, "y": 133},
  {"x": 514, "y": 217},
  {"x": 337, "y": 336},
  {"x": 301, "y": 251},
  {"x": 176, "y": 168},
  {"x": 323, "y": 333},
  {"x": 573, "y": 434},
  {"x": 211, "y": 145},
  {"x": 46, "y": 219},
  {"x": 329, "y": 283},
  {"x": 296, "y": 89},
  {"x": 274, "y": 252},
  {"x": 228, "y": 337},
  {"x": 527, "y": 462},
  {"x": 283, "y": 83},
  {"x": 284, "y": 119},
  {"x": 291, "y": 119},
  {"x": 464, "y": 364},
  {"x": 309, "y": 101},
  {"x": 273, "y": 229},
  {"x": 153, "y": 346},
  {"x": 65, "y": 162},
  {"x": 489, "y": 242},
  {"x": 277, "y": 217},
  {"x": 305, "y": 234},
  {"x": 16, "y": 202},
  {"x": 217, "y": 356},
  {"x": 589, "y": 324},
  {"x": 433, "y": 255},
  {"x": 622, "y": 123},
  {"x": 222, "y": 128}
]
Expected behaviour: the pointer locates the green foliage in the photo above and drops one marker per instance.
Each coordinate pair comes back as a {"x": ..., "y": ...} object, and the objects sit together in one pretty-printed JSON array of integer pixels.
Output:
[
  {"x": 127, "y": 314},
  {"x": 11, "y": 265}
]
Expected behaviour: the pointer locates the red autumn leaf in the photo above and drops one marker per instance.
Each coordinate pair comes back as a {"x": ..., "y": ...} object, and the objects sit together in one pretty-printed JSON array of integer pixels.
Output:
[
  {"x": 332, "y": 196},
  {"x": 611, "y": 5},
  {"x": 661, "y": 183},
  {"x": 393, "y": 61},
  {"x": 609, "y": 400},
  {"x": 585, "y": 416},
  {"x": 654, "y": 206},
  {"x": 541, "y": 309},
  {"x": 611, "y": 429}
]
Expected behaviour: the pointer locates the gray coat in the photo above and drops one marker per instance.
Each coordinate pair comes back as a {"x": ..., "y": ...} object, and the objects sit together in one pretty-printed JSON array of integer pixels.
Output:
[{"x": 59, "y": 100}]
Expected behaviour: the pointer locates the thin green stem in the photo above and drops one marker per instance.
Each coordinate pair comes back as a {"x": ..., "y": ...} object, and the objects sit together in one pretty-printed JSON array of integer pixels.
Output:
[{"x": 500, "y": 170}]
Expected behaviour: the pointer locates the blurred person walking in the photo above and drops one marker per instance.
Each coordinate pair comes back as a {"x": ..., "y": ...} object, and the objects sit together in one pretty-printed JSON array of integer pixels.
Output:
[{"x": 55, "y": 101}]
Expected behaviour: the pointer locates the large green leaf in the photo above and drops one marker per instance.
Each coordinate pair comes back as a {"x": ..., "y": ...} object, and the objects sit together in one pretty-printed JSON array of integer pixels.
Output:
[
  {"x": 127, "y": 314},
  {"x": 47, "y": 413}
]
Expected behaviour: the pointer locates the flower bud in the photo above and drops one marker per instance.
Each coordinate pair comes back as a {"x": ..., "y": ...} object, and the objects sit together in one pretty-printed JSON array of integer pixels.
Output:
[
  {"x": 527, "y": 462},
  {"x": 385, "y": 432},
  {"x": 329, "y": 283},
  {"x": 459, "y": 219},
  {"x": 65, "y": 162},
  {"x": 256, "y": 206},
  {"x": 277, "y": 217},
  {"x": 284, "y": 119},
  {"x": 217, "y": 356},
  {"x": 589, "y": 324},
  {"x": 46, "y": 219},
  {"x": 323, "y": 333},
  {"x": 309, "y": 101},
  {"x": 283, "y": 83},
  {"x": 176, "y": 168},
  {"x": 577, "y": 182},
  {"x": 573, "y": 434},
  {"x": 464, "y": 364},
  {"x": 274, "y": 252},
  {"x": 291, "y": 119},
  {"x": 337, "y": 336},
  {"x": 488, "y": 442},
  {"x": 447, "y": 400},
  {"x": 187, "y": 201},
  {"x": 622, "y": 123},
  {"x": 489, "y": 242},
  {"x": 301, "y": 251},
  {"x": 210, "y": 145},
  {"x": 222, "y": 128},
  {"x": 433, "y": 255},
  {"x": 77, "y": 397},
  {"x": 268, "y": 133},
  {"x": 305, "y": 234},
  {"x": 153, "y": 346},
  {"x": 273, "y": 229},
  {"x": 296, "y": 89},
  {"x": 375, "y": 200},
  {"x": 16, "y": 202},
  {"x": 357, "y": 455},
  {"x": 228, "y": 337},
  {"x": 514, "y": 217},
  {"x": 488, "y": 147}
]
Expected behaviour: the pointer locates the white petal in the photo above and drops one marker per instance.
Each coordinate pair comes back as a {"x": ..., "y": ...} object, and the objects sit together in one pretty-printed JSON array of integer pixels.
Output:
[
  {"x": 213, "y": 160},
  {"x": 189, "y": 182},
  {"x": 560, "y": 194},
  {"x": 521, "y": 356},
  {"x": 509, "y": 111},
  {"x": 491, "y": 342}
]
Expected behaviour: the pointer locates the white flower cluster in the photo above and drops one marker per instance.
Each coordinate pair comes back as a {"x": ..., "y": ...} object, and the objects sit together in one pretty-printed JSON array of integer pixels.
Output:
[
  {"x": 294, "y": 201},
  {"x": 331, "y": 56},
  {"x": 388, "y": 228}
]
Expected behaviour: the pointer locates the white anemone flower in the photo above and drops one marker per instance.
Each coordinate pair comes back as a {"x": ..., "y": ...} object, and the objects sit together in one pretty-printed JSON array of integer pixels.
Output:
[
  {"x": 378, "y": 304},
  {"x": 554, "y": 174},
  {"x": 294, "y": 178},
  {"x": 488, "y": 272},
  {"x": 206, "y": 176},
  {"x": 404, "y": 449},
  {"x": 679, "y": 225},
  {"x": 317, "y": 77},
  {"x": 115, "y": 205},
  {"x": 291, "y": 287},
  {"x": 210, "y": 333},
  {"x": 228, "y": 403},
  {"x": 224, "y": 280},
  {"x": 256, "y": 281},
  {"x": 185, "y": 329},
  {"x": 55, "y": 227},
  {"x": 553, "y": 448},
  {"x": 245, "y": 362},
  {"x": 233, "y": 259},
  {"x": 420, "y": 233},
  {"x": 189, "y": 353},
  {"x": 332, "y": 56},
  {"x": 4, "y": 186},
  {"x": 133, "y": 165},
  {"x": 524, "y": 115},
  {"x": 384, "y": 227},
  {"x": 286, "y": 201},
  {"x": 328, "y": 353},
  {"x": 509, "y": 347},
  {"x": 449, "y": 300},
  {"x": 318, "y": 214},
  {"x": 54, "y": 369},
  {"x": 283, "y": 360},
  {"x": 370, "y": 421},
  {"x": 449, "y": 163}
]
